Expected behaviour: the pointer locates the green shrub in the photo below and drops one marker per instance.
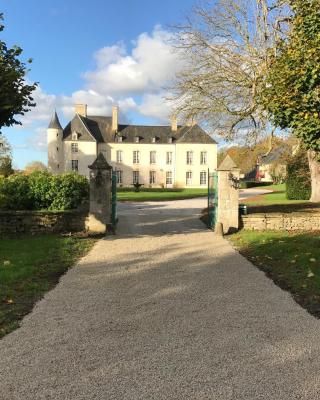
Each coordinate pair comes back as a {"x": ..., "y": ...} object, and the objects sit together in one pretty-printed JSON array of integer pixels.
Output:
[
  {"x": 68, "y": 191},
  {"x": 15, "y": 193},
  {"x": 252, "y": 184},
  {"x": 41, "y": 190},
  {"x": 298, "y": 183}
]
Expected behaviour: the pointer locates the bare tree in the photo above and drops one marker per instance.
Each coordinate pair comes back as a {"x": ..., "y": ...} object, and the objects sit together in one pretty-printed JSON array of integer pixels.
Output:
[{"x": 226, "y": 47}]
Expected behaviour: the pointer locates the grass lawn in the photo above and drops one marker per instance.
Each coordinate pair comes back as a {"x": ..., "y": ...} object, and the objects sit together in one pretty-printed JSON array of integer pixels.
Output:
[
  {"x": 291, "y": 260},
  {"x": 278, "y": 197},
  {"x": 160, "y": 194},
  {"x": 29, "y": 267}
]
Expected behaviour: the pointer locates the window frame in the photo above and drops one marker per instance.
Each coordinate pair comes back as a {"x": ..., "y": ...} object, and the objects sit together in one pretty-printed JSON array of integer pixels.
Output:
[
  {"x": 153, "y": 157},
  {"x": 73, "y": 147},
  {"x": 119, "y": 159},
  {"x": 152, "y": 177},
  {"x": 135, "y": 174},
  {"x": 169, "y": 179},
  {"x": 73, "y": 163},
  {"x": 136, "y": 157},
  {"x": 206, "y": 178},
  {"x": 189, "y": 179},
  {"x": 203, "y": 157},
  {"x": 189, "y": 157}
]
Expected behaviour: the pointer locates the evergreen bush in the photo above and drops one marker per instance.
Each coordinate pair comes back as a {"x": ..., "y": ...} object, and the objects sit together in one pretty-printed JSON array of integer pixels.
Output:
[
  {"x": 298, "y": 183},
  {"x": 42, "y": 190}
]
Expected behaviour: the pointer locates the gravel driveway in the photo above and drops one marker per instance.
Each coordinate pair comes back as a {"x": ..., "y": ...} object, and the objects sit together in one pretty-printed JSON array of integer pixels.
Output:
[{"x": 164, "y": 310}]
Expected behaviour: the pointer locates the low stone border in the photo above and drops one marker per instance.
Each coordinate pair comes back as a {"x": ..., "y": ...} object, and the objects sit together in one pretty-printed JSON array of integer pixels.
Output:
[
  {"x": 295, "y": 221},
  {"x": 35, "y": 222}
]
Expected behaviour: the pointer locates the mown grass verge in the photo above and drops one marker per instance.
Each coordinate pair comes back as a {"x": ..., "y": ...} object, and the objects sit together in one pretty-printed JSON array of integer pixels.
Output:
[
  {"x": 291, "y": 260},
  {"x": 147, "y": 194},
  {"x": 29, "y": 267}
]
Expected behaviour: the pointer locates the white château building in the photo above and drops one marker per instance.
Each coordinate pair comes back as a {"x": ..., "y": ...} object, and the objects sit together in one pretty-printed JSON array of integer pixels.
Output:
[{"x": 156, "y": 156}]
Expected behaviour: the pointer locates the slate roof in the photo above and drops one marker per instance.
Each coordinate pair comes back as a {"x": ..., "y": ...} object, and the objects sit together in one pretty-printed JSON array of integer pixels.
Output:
[
  {"x": 99, "y": 129},
  {"x": 55, "y": 123},
  {"x": 274, "y": 155}
]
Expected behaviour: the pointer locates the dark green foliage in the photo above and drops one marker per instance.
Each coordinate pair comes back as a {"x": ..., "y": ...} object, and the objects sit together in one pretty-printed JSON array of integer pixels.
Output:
[
  {"x": 298, "y": 185},
  {"x": 6, "y": 166},
  {"x": 42, "y": 190},
  {"x": 15, "y": 93},
  {"x": 252, "y": 184},
  {"x": 15, "y": 193}
]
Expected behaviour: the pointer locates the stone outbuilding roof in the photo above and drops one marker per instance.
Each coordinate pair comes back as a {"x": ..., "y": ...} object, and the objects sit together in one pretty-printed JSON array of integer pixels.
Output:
[{"x": 99, "y": 129}]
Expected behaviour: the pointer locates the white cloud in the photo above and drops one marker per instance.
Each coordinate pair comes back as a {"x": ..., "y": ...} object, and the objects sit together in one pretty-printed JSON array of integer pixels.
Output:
[{"x": 134, "y": 79}]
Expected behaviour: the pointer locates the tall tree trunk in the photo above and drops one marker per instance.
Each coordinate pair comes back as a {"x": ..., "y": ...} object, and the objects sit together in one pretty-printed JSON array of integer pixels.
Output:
[{"x": 314, "y": 166}]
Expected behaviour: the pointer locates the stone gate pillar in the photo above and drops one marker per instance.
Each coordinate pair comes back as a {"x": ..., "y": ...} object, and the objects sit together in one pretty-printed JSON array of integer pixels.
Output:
[
  {"x": 228, "y": 195},
  {"x": 100, "y": 196}
]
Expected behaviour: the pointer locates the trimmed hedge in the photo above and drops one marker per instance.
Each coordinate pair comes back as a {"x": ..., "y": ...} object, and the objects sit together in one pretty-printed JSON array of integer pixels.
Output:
[
  {"x": 43, "y": 191},
  {"x": 298, "y": 183},
  {"x": 252, "y": 184}
]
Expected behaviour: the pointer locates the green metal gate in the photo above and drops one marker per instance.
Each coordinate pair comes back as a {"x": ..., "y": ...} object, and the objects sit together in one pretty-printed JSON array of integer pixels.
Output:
[
  {"x": 212, "y": 199},
  {"x": 114, "y": 216}
]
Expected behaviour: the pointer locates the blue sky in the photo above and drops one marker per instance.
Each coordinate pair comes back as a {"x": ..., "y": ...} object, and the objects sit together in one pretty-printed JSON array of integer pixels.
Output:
[{"x": 99, "y": 52}]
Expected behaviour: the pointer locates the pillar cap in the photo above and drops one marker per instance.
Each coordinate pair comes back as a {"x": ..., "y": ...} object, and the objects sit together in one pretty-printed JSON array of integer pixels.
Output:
[
  {"x": 100, "y": 163},
  {"x": 227, "y": 164}
]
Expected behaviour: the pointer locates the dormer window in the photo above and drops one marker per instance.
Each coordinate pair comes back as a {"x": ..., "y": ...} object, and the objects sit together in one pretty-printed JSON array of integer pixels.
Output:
[
  {"x": 154, "y": 139},
  {"x": 136, "y": 139},
  {"x": 74, "y": 136},
  {"x": 119, "y": 139},
  {"x": 169, "y": 139}
]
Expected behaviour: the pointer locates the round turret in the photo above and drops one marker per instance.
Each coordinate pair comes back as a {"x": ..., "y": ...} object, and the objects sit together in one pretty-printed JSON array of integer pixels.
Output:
[{"x": 55, "y": 145}]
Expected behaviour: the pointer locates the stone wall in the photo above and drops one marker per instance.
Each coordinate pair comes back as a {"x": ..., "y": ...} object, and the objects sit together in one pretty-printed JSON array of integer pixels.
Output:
[
  {"x": 295, "y": 221},
  {"x": 35, "y": 222}
]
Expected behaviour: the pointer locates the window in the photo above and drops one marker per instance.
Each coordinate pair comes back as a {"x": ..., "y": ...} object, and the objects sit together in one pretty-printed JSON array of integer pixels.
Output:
[
  {"x": 135, "y": 176},
  {"x": 203, "y": 158},
  {"x": 169, "y": 177},
  {"x": 119, "y": 139},
  {"x": 119, "y": 176},
  {"x": 119, "y": 156},
  {"x": 152, "y": 177},
  {"x": 136, "y": 139},
  {"x": 74, "y": 165},
  {"x": 136, "y": 157},
  {"x": 189, "y": 157},
  {"x": 203, "y": 178},
  {"x": 74, "y": 136},
  {"x": 189, "y": 178},
  {"x": 152, "y": 157},
  {"x": 170, "y": 140},
  {"x": 169, "y": 157},
  {"x": 74, "y": 147},
  {"x": 154, "y": 139},
  {"x": 57, "y": 148}
]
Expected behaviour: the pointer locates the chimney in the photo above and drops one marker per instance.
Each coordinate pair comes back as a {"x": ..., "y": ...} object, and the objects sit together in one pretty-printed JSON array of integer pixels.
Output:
[
  {"x": 115, "y": 118},
  {"x": 174, "y": 123},
  {"x": 81, "y": 109},
  {"x": 191, "y": 122}
]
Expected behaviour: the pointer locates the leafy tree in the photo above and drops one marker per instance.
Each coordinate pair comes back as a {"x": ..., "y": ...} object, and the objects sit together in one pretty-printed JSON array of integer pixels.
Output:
[
  {"x": 292, "y": 93},
  {"x": 225, "y": 51},
  {"x": 15, "y": 93},
  {"x": 6, "y": 166},
  {"x": 35, "y": 166},
  {"x": 5, "y": 157}
]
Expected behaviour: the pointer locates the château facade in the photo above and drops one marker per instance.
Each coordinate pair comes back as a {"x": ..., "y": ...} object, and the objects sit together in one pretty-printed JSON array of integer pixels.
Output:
[{"x": 156, "y": 156}]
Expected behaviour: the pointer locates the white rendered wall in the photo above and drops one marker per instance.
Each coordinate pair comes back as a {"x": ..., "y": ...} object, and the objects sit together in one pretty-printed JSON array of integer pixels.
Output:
[{"x": 87, "y": 153}]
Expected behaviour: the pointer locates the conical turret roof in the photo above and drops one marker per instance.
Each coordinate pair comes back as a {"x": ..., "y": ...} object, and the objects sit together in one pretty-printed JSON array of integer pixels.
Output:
[{"x": 55, "y": 123}]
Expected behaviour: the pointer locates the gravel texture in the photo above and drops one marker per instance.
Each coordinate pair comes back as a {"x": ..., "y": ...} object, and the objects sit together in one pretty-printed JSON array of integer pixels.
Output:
[{"x": 164, "y": 310}]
